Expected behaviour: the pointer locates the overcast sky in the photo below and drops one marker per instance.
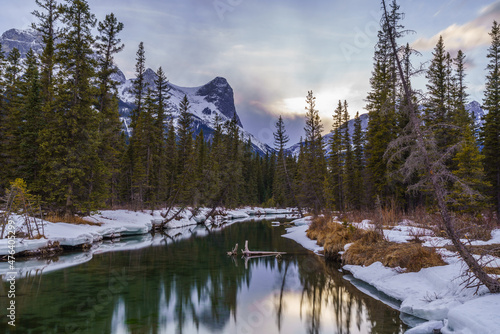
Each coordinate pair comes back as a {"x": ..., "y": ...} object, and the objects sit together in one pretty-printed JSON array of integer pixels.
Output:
[{"x": 273, "y": 52}]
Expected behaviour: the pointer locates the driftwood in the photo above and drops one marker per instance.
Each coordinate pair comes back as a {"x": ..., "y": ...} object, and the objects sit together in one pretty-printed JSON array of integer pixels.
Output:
[
  {"x": 234, "y": 251},
  {"x": 247, "y": 253}
]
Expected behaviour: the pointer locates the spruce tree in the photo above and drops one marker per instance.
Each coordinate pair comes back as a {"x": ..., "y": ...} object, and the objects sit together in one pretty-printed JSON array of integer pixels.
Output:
[
  {"x": 111, "y": 144},
  {"x": 334, "y": 182},
  {"x": 348, "y": 169},
  {"x": 358, "y": 165},
  {"x": 281, "y": 183},
  {"x": 32, "y": 120},
  {"x": 312, "y": 170},
  {"x": 186, "y": 161},
  {"x": 436, "y": 107},
  {"x": 490, "y": 133},
  {"x": 70, "y": 165},
  {"x": 46, "y": 26},
  {"x": 12, "y": 120}
]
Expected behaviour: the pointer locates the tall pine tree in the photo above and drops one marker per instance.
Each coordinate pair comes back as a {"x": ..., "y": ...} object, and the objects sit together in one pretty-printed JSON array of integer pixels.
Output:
[{"x": 491, "y": 131}]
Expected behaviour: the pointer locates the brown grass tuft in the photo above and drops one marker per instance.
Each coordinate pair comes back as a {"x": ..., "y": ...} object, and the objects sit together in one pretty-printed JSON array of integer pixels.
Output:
[
  {"x": 411, "y": 256},
  {"x": 492, "y": 270},
  {"x": 76, "y": 220},
  {"x": 369, "y": 247}
]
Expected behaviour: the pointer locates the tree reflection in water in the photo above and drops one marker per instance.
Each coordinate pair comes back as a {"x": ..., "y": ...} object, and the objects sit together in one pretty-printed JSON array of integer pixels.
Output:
[{"x": 191, "y": 286}]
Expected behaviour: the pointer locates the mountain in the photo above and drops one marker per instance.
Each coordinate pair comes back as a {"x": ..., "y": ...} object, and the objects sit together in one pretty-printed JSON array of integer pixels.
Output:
[
  {"x": 214, "y": 98},
  {"x": 23, "y": 40},
  {"x": 474, "y": 109},
  {"x": 206, "y": 102}
]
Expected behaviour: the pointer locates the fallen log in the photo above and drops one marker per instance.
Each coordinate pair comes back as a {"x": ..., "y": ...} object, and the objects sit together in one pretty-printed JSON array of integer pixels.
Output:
[
  {"x": 234, "y": 251},
  {"x": 246, "y": 252}
]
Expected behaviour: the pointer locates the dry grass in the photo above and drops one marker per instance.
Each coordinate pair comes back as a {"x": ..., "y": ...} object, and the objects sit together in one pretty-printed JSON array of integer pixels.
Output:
[
  {"x": 368, "y": 247},
  {"x": 492, "y": 270},
  {"x": 411, "y": 256},
  {"x": 472, "y": 227},
  {"x": 76, "y": 220}
]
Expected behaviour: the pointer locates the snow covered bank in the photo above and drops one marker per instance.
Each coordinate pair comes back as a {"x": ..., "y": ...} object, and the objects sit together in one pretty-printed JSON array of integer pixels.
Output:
[
  {"x": 434, "y": 294},
  {"x": 113, "y": 225}
]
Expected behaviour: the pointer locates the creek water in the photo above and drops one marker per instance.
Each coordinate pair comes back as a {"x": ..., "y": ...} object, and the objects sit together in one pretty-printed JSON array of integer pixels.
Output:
[{"x": 191, "y": 286}]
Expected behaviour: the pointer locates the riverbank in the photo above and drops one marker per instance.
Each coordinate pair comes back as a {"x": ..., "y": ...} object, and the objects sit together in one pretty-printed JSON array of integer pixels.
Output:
[
  {"x": 435, "y": 294},
  {"x": 106, "y": 231}
]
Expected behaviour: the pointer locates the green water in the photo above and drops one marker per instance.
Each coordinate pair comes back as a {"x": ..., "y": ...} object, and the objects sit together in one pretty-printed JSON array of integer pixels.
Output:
[{"x": 192, "y": 286}]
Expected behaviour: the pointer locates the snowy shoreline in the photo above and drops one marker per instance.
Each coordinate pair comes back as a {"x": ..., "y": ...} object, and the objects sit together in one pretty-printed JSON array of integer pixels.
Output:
[
  {"x": 435, "y": 294},
  {"x": 114, "y": 224}
]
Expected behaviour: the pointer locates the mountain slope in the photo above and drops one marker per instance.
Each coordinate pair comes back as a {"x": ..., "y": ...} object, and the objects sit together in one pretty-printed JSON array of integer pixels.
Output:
[
  {"x": 206, "y": 102},
  {"x": 214, "y": 98}
]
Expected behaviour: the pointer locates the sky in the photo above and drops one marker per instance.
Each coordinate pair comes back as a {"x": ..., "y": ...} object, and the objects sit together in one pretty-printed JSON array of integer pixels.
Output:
[{"x": 273, "y": 52}]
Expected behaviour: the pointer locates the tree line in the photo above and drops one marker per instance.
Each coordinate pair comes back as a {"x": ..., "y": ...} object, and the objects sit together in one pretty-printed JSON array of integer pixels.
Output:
[
  {"x": 61, "y": 133},
  {"x": 375, "y": 168}
]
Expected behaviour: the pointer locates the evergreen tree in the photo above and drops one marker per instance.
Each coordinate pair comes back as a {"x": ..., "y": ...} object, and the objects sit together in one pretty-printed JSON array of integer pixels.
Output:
[
  {"x": 70, "y": 165},
  {"x": 281, "y": 181},
  {"x": 111, "y": 144},
  {"x": 139, "y": 84},
  {"x": 170, "y": 161},
  {"x": 12, "y": 120},
  {"x": 161, "y": 95},
  {"x": 436, "y": 107},
  {"x": 490, "y": 134},
  {"x": 381, "y": 104},
  {"x": 334, "y": 182},
  {"x": 358, "y": 165},
  {"x": 469, "y": 171},
  {"x": 348, "y": 169},
  {"x": 47, "y": 28},
  {"x": 312, "y": 169},
  {"x": 186, "y": 161},
  {"x": 232, "y": 171},
  {"x": 32, "y": 121}
]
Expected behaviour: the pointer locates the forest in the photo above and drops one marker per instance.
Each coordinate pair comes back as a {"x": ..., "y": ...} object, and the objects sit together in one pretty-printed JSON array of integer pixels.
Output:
[{"x": 61, "y": 138}]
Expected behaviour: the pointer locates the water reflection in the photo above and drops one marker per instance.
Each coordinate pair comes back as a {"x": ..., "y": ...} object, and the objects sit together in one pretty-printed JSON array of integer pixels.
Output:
[{"x": 191, "y": 286}]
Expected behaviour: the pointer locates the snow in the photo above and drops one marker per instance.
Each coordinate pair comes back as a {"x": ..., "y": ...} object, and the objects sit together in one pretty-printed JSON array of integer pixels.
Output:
[
  {"x": 436, "y": 295},
  {"x": 133, "y": 226}
]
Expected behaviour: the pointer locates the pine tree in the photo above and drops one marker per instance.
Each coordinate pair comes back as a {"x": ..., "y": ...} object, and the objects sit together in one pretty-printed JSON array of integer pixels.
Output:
[
  {"x": 358, "y": 165},
  {"x": 139, "y": 84},
  {"x": 490, "y": 133},
  {"x": 170, "y": 161},
  {"x": 70, "y": 163},
  {"x": 312, "y": 169},
  {"x": 186, "y": 162},
  {"x": 348, "y": 169},
  {"x": 334, "y": 182},
  {"x": 111, "y": 144},
  {"x": 436, "y": 107},
  {"x": 281, "y": 182},
  {"x": 232, "y": 171},
  {"x": 47, "y": 28},
  {"x": 12, "y": 120},
  {"x": 470, "y": 171},
  {"x": 32, "y": 121},
  {"x": 161, "y": 95},
  {"x": 137, "y": 168}
]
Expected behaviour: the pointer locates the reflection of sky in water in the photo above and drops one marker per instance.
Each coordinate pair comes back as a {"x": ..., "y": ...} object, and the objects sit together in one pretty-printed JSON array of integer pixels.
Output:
[{"x": 258, "y": 308}]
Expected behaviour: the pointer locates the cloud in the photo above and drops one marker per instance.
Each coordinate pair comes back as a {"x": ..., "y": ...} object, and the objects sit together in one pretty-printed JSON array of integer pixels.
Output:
[{"x": 467, "y": 36}]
